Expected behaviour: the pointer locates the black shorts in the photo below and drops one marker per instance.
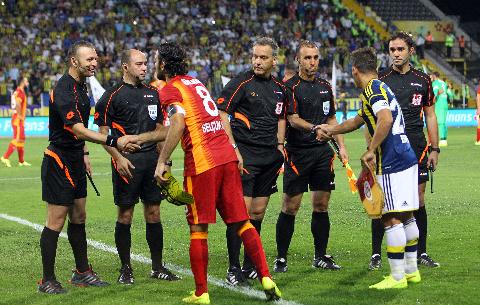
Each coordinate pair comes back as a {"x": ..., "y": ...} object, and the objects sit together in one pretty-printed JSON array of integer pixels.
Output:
[
  {"x": 420, "y": 147},
  {"x": 308, "y": 166},
  {"x": 127, "y": 191},
  {"x": 261, "y": 168},
  {"x": 63, "y": 176}
]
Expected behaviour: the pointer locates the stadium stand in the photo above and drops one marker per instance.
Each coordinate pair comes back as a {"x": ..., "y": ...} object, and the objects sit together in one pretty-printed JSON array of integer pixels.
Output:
[{"x": 36, "y": 35}]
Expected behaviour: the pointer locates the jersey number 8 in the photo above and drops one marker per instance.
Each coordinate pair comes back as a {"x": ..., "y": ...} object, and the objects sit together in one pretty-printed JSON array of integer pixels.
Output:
[{"x": 208, "y": 102}]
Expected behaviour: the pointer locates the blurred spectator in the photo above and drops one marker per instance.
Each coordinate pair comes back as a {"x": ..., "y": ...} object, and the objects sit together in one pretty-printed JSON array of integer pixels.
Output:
[
  {"x": 449, "y": 41},
  {"x": 420, "y": 45},
  {"x": 461, "y": 45},
  {"x": 428, "y": 41},
  {"x": 217, "y": 35}
]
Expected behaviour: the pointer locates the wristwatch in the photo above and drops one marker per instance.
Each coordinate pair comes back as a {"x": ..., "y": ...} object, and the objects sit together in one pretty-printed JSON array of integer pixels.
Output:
[{"x": 435, "y": 149}]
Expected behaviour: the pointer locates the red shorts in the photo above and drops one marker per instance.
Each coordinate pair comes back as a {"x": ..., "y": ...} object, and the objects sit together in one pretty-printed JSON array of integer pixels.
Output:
[
  {"x": 219, "y": 188},
  {"x": 18, "y": 129}
]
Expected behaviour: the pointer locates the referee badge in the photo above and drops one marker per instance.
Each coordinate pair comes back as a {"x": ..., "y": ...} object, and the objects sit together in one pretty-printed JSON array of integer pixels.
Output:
[
  {"x": 152, "y": 111},
  {"x": 326, "y": 107}
]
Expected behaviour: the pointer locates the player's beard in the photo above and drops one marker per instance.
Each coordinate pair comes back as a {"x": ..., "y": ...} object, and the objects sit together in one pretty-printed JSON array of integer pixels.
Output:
[{"x": 161, "y": 74}]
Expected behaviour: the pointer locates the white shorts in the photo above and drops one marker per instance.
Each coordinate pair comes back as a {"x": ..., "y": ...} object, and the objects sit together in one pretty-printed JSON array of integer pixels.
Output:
[{"x": 400, "y": 190}]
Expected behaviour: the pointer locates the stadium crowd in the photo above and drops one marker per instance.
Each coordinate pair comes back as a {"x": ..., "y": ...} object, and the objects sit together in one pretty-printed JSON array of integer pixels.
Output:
[{"x": 35, "y": 36}]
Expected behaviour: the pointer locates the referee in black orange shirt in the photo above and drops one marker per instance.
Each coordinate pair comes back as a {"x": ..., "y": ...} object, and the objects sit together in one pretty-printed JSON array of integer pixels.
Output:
[
  {"x": 131, "y": 108},
  {"x": 413, "y": 90},
  {"x": 255, "y": 100},
  {"x": 309, "y": 163},
  {"x": 64, "y": 167}
]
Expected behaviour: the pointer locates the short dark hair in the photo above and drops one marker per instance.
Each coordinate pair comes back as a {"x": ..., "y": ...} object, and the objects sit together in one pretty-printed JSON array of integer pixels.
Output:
[
  {"x": 266, "y": 41},
  {"x": 407, "y": 37},
  {"x": 72, "y": 52},
  {"x": 364, "y": 59},
  {"x": 436, "y": 73},
  {"x": 125, "y": 57},
  {"x": 305, "y": 44},
  {"x": 174, "y": 58}
]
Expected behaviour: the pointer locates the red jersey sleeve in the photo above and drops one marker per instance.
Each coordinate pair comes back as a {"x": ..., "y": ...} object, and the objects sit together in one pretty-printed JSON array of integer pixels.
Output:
[{"x": 169, "y": 95}]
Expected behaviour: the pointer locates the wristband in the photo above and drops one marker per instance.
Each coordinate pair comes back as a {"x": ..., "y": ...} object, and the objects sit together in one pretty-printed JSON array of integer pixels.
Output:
[
  {"x": 435, "y": 149},
  {"x": 312, "y": 129},
  {"x": 169, "y": 163},
  {"x": 86, "y": 153},
  {"x": 111, "y": 141},
  {"x": 280, "y": 144}
]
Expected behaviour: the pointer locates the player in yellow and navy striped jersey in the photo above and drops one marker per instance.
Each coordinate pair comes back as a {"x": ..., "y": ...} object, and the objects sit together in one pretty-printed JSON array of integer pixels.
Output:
[{"x": 390, "y": 153}]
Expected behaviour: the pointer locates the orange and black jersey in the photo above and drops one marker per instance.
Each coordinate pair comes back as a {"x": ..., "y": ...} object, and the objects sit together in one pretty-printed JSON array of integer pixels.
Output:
[
  {"x": 413, "y": 91},
  {"x": 313, "y": 101},
  {"x": 255, "y": 105},
  {"x": 129, "y": 109},
  {"x": 69, "y": 105}
]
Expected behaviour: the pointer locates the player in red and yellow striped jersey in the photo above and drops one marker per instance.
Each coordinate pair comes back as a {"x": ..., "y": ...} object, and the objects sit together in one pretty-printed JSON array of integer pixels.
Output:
[
  {"x": 211, "y": 169},
  {"x": 19, "y": 107}
]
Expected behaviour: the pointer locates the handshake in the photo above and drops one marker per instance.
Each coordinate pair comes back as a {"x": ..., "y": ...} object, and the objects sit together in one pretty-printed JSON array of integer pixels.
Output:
[
  {"x": 323, "y": 132},
  {"x": 129, "y": 143}
]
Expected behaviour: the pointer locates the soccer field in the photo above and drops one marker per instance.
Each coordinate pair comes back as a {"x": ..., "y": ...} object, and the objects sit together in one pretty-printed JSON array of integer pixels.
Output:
[{"x": 454, "y": 240}]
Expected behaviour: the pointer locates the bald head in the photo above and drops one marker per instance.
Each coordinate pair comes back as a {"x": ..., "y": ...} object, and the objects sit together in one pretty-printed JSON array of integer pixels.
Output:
[{"x": 134, "y": 64}]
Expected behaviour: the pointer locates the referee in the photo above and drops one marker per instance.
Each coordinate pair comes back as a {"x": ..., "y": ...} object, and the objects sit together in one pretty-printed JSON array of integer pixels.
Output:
[
  {"x": 413, "y": 90},
  {"x": 131, "y": 108},
  {"x": 255, "y": 100},
  {"x": 64, "y": 167},
  {"x": 308, "y": 161}
]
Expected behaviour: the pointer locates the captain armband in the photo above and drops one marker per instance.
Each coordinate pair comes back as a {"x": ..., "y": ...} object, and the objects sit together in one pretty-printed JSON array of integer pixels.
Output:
[{"x": 174, "y": 108}]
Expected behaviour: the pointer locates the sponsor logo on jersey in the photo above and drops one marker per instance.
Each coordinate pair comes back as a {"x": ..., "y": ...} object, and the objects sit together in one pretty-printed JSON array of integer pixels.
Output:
[
  {"x": 253, "y": 94},
  {"x": 367, "y": 190},
  {"x": 416, "y": 84},
  {"x": 323, "y": 92},
  {"x": 326, "y": 107},
  {"x": 417, "y": 99},
  {"x": 278, "y": 108},
  {"x": 152, "y": 111},
  {"x": 147, "y": 95}
]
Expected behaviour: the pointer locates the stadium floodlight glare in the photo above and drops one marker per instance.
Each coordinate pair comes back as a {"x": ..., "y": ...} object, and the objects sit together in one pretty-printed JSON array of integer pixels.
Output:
[
  {"x": 213, "y": 21},
  {"x": 135, "y": 22}
]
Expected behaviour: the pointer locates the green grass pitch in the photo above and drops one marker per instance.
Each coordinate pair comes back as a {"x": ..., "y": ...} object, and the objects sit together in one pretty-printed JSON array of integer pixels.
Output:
[{"x": 454, "y": 240}]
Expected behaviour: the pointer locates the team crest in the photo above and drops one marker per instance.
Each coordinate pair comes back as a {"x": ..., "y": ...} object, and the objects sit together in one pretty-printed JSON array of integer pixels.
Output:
[
  {"x": 152, "y": 111},
  {"x": 416, "y": 99},
  {"x": 367, "y": 190},
  {"x": 326, "y": 107},
  {"x": 278, "y": 108}
]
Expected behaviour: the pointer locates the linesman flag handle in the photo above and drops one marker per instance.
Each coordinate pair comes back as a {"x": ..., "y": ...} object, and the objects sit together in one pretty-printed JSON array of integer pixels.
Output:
[{"x": 352, "y": 179}]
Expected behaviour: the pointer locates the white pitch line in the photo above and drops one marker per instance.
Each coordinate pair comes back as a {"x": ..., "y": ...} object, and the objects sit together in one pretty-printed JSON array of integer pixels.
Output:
[
  {"x": 38, "y": 178},
  {"x": 250, "y": 292}
]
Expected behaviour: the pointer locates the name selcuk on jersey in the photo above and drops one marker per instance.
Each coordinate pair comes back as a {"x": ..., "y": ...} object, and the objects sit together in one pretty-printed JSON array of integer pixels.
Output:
[{"x": 395, "y": 153}]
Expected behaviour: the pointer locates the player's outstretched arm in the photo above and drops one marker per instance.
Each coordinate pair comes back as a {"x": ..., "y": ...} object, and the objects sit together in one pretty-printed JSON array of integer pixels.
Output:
[
  {"x": 332, "y": 120},
  {"x": 346, "y": 127},
  {"x": 174, "y": 134},
  {"x": 92, "y": 136},
  {"x": 157, "y": 135}
]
